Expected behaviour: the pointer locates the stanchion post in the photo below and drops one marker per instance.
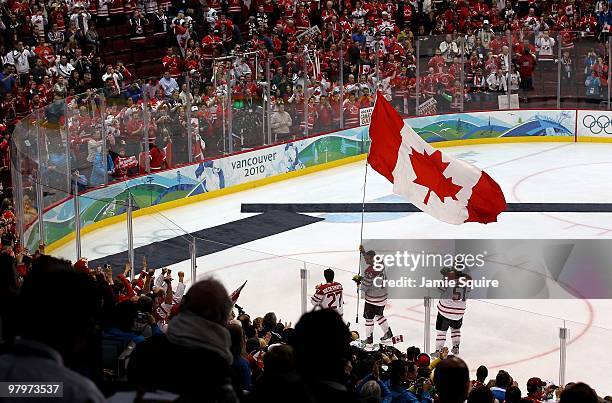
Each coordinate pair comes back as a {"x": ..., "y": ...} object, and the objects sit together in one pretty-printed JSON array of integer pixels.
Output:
[
  {"x": 145, "y": 134},
  {"x": 18, "y": 192},
  {"x": 66, "y": 129},
  {"x": 563, "y": 336},
  {"x": 130, "y": 232},
  {"x": 462, "y": 74},
  {"x": 304, "y": 288},
  {"x": 77, "y": 214},
  {"x": 189, "y": 127},
  {"x": 427, "y": 325},
  {"x": 509, "y": 66},
  {"x": 230, "y": 129},
  {"x": 417, "y": 52},
  {"x": 268, "y": 104},
  {"x": 306, "y": 96},
  {"x": 559, "y": 71},
  {"x": 192, "y": 251},
  {"x": 609, "y": 70},
  {"x": 40, "y": 199},
  {"x": 341, "y": 85},
  {"x": 104, "y": 134},
  {"x": 376, "y": 62}
]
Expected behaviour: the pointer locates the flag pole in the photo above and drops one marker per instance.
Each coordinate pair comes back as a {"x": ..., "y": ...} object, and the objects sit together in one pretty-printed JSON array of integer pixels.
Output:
[{"x": 365, "y": 183}]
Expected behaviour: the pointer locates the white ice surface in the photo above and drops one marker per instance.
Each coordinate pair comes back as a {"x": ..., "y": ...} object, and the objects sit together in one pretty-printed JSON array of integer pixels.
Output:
[{"x": 520, "y": 336}]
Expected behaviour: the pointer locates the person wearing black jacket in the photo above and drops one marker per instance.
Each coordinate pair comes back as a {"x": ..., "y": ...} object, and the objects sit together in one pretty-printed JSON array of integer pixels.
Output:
[{"x": 193, "y": 358}]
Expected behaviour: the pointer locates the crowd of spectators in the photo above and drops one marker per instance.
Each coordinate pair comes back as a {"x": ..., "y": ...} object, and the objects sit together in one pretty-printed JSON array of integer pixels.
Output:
[{"x": 148, "y": 340}]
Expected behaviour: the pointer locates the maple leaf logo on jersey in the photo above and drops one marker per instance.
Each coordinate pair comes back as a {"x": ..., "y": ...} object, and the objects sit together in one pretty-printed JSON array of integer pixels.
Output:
[{"x": 429, "y": 169}]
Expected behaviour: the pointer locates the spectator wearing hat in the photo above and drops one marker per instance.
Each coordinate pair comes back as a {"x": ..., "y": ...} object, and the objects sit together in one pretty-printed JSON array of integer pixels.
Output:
[
  {"x": 80, "y": 17},
  {"x": 196, "y": 348},
  {"x": 535, "y": 390}
]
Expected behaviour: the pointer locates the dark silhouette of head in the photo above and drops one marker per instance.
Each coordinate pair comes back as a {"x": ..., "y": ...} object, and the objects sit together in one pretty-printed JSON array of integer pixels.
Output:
[
  {"x": 482, "y": 373},
  {"x": 279, "y": 360},
  {"x": 208, "y": 299},
  {"x": 321, "y": 336},
  {"x": 578, "y": 393},
  {"x": 480, "y": 394},
  {"x": 60, "y": 307},
  {"x": 452, "y": 380},
  {"x": 124, "y": 315},
  {"x": 513, "y": 395},
  {"x": 503, "y": 379}
]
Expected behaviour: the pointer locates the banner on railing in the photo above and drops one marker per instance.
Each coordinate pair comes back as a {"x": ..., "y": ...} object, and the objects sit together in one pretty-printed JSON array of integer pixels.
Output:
[
  {"x": 194, "y": 179},
  {"x": 428, "y": 107},
  {"x": 365, "y": 115},
  {"x": 495, "y": 124},
  {"x": 594, "y": 124}
]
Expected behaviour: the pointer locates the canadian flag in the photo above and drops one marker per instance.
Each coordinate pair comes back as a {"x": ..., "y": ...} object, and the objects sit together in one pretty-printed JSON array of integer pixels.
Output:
[
  {"x": 442, "y": 186},
  {"x": 234, "y": 296}
]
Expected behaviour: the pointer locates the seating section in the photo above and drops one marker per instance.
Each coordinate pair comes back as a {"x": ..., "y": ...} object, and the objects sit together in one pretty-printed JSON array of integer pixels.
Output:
[{"x": 141, "y": 56}]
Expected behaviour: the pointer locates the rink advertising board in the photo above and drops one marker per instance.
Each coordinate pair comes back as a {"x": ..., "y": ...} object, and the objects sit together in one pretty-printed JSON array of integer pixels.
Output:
[
  {"x": 195, "y": 179},
  {"x": 494, "y": 268},
  {"x": 594, "y": 124}
]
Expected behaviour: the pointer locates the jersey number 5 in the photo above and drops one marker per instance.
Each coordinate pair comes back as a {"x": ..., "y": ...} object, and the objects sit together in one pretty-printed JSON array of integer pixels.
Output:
[{"x": 459, "y": 293}]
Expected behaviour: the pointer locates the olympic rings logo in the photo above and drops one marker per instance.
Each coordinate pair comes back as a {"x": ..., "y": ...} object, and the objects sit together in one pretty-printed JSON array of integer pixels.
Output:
[{"x": 599, "y": 124}]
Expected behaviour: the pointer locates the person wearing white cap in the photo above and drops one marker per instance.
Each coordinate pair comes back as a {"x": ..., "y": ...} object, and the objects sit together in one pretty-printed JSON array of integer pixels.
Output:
[
  {"x": 80, "y": 16},
  {"x": 485, "y": 34}
]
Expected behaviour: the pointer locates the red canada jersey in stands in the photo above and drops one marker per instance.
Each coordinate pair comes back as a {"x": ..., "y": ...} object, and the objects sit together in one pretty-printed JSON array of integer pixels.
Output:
[
  {"x": 172, "y": 65},
  {"x": 329, "y": 296},
  {"x": 429, "y": 83},
  {"x": 437, "y": 62},
  {"x": 351, "y": 113}
]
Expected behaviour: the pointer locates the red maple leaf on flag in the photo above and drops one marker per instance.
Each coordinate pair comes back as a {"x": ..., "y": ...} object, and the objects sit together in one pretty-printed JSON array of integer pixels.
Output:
[{"x": 429, "y": 170}]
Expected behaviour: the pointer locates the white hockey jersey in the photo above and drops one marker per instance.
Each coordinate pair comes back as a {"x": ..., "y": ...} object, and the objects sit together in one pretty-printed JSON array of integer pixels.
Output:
[
  {"x": 329, "y": 296},
  {"x": 453, "y": 302}
]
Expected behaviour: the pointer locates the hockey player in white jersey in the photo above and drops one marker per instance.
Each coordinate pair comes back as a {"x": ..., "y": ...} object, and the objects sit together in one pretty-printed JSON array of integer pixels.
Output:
[
  {"x": 375, "y": 297},
  {"x": 451, "y": 308},
  {"x": 329, "y": 295}
]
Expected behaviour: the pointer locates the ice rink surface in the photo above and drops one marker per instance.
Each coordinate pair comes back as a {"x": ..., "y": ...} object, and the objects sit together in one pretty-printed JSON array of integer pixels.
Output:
[{"x": 521, "y": 336}]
